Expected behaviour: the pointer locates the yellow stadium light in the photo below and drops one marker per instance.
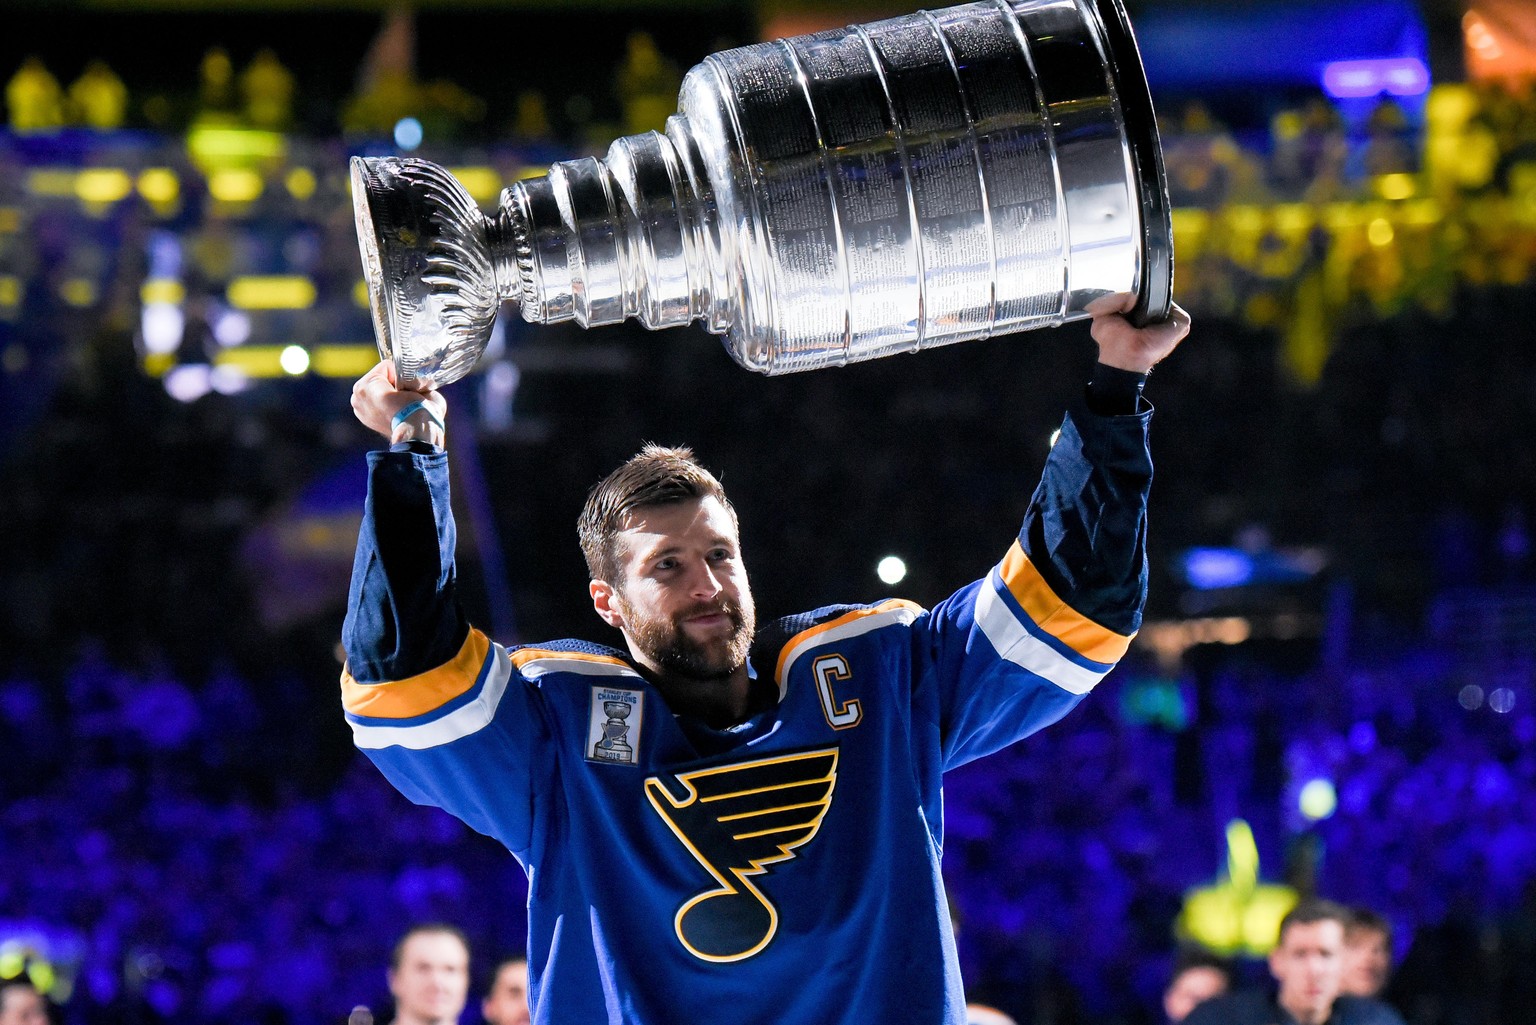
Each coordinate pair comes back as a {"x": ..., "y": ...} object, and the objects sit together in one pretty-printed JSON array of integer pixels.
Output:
[
  {"x": 301, "y": 183},
  {"x": 51, "y": 181},
  {"x": 343, "y": 360},
  {"x": 10, "y": 290},
  {"x": 274, "y": 292},
  {"x": 482, "y": 183},
  {"x": 1380, "y": 232},
  {"x": 103, "y": 185},
  {"x": 525, "y": 173},
  {"x": 156, "y": 364},
  {"x": 1423, "y": 212},
  {"x": 1341, "y": 216},
  {"x": 1246, "y": 217},
  {"x": 360, "y": 293},
  {"x": 253, "y": 360},
  {"x": 162, "y": 290},
  {"x": 159, "y": 185},
  {"x": 214, "y": 147},
  {"x": 234, "y": 185},
  {"x": 1396, "y": 186},
  {"x": 78, "y": 292},
  {"x": 10, "y": 220},
  {"x": 1293, "y": 218}
]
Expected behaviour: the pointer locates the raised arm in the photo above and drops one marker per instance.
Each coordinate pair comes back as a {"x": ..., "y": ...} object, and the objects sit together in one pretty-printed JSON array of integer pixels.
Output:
[
  {"x": 1015, "y": 651},
  {"x": 433, "y": 702}
]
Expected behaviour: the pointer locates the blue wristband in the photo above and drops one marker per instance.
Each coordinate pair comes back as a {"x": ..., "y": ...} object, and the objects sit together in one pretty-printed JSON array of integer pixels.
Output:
[{"x": 417, "y": 406}]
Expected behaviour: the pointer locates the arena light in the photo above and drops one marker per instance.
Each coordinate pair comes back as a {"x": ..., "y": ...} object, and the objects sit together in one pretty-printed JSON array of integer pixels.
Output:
[
  {"x": 189, "y": 383},
  {"x": 271, "y": 292},
  {"x": 10, "y": 291},
  {"x": 343, "y": 360},
  {"x": 482, "y": 183},
  {"x": 162, "y": 290},
  {"x": 301, "y": 183},
  {"x": 294, "y": 360},
  {"x": 408, "y": 134},
  {"x": 159, "y": 185},
  {"x": 235, "y": 185},
  {"x": 1318, "y": 799},
  {"x": 891, "y": 570},
  {"x": 103, "y": 186},
  {"x": 222, "y": 147},
  {"x": 161, "y": 326},
  {"x": 1397, "y": 76}
]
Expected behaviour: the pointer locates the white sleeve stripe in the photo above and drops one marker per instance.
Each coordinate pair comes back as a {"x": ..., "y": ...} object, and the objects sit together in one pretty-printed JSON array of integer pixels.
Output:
[
  {"x": 537, "y": 667},
  {"x": 461, "y": 722},
  {"x": 863, "y": 625},
  {"x": 1017, "y": 645}
]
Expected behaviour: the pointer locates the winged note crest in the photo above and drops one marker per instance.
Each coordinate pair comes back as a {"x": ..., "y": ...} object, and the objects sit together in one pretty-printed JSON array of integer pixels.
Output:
[{"x": 737, "y": 820}]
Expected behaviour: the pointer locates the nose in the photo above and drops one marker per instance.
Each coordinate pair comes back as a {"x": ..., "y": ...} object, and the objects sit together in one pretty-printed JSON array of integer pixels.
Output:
[{"x": 705, "y": 582}]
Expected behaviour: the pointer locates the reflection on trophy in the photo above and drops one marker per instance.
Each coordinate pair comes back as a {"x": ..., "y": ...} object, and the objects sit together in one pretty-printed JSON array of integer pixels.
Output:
[
  {"x": 614, "y": 747},
  {"x": 818, "y": 200}
]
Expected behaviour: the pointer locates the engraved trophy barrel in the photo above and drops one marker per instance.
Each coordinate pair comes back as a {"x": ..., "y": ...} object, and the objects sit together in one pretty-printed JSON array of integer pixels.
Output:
[{"x": 883, "y": 188}]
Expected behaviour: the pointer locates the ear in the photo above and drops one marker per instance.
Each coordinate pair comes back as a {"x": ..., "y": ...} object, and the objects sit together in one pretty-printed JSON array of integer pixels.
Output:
[{"x": 605, "y": 600}]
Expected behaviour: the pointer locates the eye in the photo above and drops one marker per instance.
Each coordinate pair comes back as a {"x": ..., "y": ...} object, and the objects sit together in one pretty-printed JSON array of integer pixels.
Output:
[{"x": 721, "y": 554}]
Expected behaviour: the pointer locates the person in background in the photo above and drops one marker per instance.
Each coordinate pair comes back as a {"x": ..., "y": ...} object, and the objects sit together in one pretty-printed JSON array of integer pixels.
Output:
[
  {"x": 22, "y": 1004},
  {"x": 506, "y": 1002},
  {"x": 1198, "y": 976},
  {"x": 429, "y": 975},
  {"x": 1308, "y": 967},
  {"x": 1367, "y": 953}
]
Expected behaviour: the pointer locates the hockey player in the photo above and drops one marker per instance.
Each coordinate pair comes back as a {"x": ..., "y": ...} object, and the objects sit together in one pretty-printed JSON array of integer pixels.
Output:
[{"x": 721, "y": 823}]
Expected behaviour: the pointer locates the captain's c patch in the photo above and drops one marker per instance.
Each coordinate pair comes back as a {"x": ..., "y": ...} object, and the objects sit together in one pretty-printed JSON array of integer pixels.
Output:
[
  {"x": 736, "y": 820},
  {"x": 613, "y": 725}
]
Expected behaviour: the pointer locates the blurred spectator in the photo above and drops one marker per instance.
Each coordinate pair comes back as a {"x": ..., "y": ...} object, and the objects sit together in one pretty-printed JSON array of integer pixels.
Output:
[
  {"x": 1198, "y": 976},
  {"x": 1367, "y": 953},
  {"x": 98, "y": 98},
  {"x": 267, "y": 89},
  {"x": 429, "y": 975},
  {"x": 981, "y": 1014},
  {"x": 34, "y": 99},
  {"x": 1307, "y": 964},
  {"x": 647, "y": 83},
  {"x": 22, "y": 1004},
  {"x": 506, "y": 1001}
]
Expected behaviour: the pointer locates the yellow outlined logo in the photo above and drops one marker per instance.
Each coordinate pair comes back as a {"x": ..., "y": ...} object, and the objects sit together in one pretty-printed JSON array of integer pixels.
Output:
[
  {"x": 826, "y": 669},
  {"x": 736, "y": 820}
]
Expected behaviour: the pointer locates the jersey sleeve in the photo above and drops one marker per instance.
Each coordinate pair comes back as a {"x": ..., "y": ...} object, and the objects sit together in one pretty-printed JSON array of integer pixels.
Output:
[
  {"x": 433, "y": 702},
  {"x": 1015, "y": 651}
]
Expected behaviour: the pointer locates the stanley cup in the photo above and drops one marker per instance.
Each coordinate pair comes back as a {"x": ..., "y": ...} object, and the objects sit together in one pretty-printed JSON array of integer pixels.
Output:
[{"x": 883, "y": 188}]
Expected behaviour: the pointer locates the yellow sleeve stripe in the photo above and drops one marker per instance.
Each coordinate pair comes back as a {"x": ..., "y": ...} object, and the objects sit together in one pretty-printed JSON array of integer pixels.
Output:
[
  {"x": 420, "y": 694},
  {"x": 797, "y": 643},
  {"x": 1055, "y": 616},
  {"x": 522, "y": 656}
]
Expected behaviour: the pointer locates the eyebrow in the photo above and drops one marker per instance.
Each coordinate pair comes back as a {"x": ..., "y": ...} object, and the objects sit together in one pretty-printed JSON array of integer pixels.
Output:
[{"x": 673, "y": 549}]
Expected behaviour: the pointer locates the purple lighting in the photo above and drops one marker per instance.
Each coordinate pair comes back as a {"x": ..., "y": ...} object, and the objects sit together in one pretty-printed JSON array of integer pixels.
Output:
[{"x": 1400, "y": 76}]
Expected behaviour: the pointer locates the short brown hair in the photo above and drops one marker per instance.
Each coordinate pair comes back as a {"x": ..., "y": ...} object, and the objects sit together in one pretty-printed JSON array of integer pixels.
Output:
[
  {"x": 424, "y": 929},
  {"x": 653, "y": 476},
  {"x": 1314, "y": 909}
]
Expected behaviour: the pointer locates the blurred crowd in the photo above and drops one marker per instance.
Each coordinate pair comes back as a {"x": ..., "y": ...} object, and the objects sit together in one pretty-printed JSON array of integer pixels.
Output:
[{"x": 187, "y": 835}]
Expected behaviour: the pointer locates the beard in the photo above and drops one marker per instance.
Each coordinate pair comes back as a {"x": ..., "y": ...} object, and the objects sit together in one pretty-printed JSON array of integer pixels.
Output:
[{"x": 665, "y": 641}]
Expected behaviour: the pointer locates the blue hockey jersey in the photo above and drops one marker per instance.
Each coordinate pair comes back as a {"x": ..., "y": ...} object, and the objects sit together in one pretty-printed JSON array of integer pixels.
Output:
[{"x": 784, "y": 870}]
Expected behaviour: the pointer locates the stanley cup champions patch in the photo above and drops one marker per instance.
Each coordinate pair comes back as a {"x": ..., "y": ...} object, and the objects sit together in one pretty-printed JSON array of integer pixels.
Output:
[{"x": 613, "y": 725}]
